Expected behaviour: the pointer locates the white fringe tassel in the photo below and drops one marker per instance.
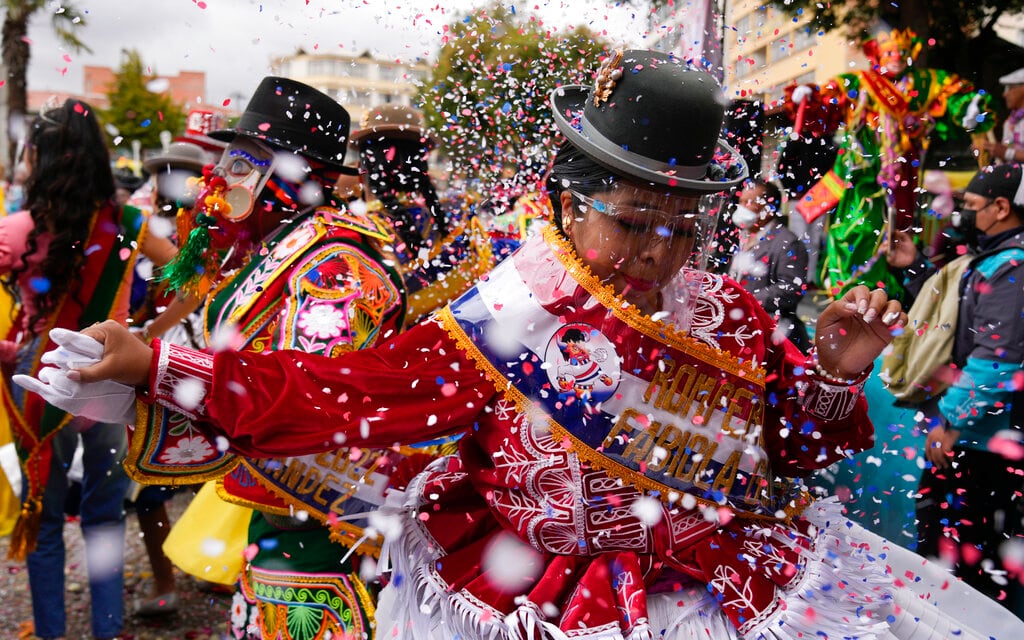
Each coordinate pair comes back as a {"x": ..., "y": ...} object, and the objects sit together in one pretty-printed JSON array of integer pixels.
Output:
[{"x": 844, "y": 592}]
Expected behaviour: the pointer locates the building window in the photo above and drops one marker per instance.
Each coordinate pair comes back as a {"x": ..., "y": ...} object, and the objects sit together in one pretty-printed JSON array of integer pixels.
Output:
[{"x": 750, "y": 63}]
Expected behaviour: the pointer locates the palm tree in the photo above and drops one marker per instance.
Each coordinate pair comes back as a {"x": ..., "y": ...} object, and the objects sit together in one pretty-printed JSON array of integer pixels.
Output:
[{"x": 16, "y": 51}]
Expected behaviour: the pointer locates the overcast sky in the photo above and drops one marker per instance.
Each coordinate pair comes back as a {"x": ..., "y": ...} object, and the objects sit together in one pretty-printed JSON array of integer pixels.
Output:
[{"x": 233, "y": 41}]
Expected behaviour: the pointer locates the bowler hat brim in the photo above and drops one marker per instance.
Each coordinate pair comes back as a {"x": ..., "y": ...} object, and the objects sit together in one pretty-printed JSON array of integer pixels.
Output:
[{"x": 572, "y": 99}]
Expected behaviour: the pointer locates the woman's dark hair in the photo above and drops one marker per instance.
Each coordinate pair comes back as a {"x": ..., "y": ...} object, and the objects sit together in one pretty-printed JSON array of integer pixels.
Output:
[
  {"x": 70, "y": 181},
  {"x": 394, "y": 167},
  {"x": 573, "y": 169}
]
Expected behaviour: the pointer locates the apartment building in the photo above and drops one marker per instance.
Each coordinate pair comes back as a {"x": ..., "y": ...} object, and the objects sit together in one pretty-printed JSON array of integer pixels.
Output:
[{"x": 356, "y": 81}]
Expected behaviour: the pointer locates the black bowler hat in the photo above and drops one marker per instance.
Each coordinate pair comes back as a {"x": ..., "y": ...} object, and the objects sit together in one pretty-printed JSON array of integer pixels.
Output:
[
  {"x": 652, "y": 119},
  {"x": 296, "y": 117}
]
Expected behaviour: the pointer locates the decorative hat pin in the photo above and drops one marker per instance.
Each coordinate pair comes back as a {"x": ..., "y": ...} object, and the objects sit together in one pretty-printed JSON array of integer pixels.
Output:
[{"x": 607, "y": 75}]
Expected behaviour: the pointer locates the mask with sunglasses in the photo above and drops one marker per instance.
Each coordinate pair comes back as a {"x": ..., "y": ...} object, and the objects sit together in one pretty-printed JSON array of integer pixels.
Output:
[{"x": 245, "y": 175}]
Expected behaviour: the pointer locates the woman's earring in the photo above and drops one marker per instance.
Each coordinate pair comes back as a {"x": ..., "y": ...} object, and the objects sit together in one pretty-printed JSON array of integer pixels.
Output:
[{"x": 565, "y": 221}]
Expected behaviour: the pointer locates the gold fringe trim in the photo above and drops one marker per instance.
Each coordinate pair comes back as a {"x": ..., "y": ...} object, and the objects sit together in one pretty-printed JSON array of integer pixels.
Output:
[{"x": 632, "y": 316}]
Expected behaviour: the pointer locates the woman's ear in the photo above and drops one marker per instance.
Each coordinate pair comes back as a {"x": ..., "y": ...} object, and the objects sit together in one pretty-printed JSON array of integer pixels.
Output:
[{"x": 568, "y": 211}]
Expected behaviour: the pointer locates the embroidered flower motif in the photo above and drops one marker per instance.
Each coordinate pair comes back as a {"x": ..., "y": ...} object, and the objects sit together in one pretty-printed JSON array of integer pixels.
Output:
[
  {"x": 296, "y": 240},
  {"x": 188, "y": 450},
  {"x": 607, "y": 75},
  {"x": 238, "y": 611},
  {"x": 322, "y": 321}
]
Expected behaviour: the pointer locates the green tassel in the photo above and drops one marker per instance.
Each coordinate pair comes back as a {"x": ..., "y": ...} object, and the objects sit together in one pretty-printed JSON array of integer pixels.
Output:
[{"x": 185, "y": 271}]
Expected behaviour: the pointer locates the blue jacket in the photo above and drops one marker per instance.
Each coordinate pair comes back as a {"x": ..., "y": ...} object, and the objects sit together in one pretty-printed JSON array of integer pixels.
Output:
[{"x": 989, "y": 346}]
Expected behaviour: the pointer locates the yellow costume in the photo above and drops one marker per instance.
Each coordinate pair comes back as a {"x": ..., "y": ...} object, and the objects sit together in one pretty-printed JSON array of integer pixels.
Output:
[{"x": 9, "y": 505}]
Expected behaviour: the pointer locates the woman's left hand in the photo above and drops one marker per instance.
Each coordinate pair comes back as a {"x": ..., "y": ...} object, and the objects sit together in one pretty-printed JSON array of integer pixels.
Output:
[{"x": 854, "y": 329}]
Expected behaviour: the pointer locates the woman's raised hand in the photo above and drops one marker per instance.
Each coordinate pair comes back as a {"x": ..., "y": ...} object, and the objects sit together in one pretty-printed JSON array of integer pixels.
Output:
[{"x": 854, "y": 329}]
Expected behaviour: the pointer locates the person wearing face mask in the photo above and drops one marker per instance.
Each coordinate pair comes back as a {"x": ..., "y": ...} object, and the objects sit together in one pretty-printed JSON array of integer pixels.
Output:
[
  {"x": 968, "y": 507},
  {"x": 772, "y": 261}
]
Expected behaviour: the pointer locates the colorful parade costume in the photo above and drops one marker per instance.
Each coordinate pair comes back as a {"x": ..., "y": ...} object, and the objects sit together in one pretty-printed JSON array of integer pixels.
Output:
[
  {"x": 889, "y": 121},
  {"x": 629, "y": 429},
  {"x": 328, "y": 282},
  {"x": 681, "y": 427},
  {"x": 448, "y": 265}
]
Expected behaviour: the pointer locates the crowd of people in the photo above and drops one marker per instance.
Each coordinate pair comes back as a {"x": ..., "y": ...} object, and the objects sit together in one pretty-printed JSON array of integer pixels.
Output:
[{"x": 550, "y": 419}]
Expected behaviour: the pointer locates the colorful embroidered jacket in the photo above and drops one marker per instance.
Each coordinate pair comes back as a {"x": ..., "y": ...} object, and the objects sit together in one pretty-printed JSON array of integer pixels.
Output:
[
  {"x": 321, "y": 285},
  {"x": 888, "y": 125},
  {"x": 573, "y": 407}
]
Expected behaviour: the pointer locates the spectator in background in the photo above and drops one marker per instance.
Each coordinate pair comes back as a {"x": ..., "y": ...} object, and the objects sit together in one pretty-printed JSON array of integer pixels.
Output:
[
  {"x": 126, "y": 183},
  {"x": 67, "y": 259},
  {"x": 1010, "y": 148},
  {"x": 969, "y": 509},
  {"x": 771, "y": 262}
]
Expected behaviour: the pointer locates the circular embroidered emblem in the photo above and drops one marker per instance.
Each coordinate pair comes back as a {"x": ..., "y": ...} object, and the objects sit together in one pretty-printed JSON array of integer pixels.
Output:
[{"x": 582, "y": 364}]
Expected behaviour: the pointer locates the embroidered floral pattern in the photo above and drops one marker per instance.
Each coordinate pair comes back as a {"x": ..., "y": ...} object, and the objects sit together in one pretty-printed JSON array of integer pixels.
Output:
[
  {"x": 188, "y": 450},
  {"x": 321, "y": 321}
]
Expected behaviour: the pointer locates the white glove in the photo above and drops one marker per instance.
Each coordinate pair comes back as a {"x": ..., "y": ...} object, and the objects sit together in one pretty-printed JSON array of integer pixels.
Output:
[
  {"x": 801, "y": 93},
  {"x": 74, "y": 350},
  {"x": 104, "y": 401},
  {"x": 970, "y": 120}
]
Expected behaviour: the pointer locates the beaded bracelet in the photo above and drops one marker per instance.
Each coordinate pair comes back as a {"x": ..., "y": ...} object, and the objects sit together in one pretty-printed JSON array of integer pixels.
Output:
[{"x": 820, "y": 372}]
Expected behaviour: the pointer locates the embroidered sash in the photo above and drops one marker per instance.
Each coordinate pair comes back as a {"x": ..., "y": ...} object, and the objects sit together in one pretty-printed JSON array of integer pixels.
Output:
[
  {"x": 655, "y": 408},
  {"x": 888, "y": 96}
]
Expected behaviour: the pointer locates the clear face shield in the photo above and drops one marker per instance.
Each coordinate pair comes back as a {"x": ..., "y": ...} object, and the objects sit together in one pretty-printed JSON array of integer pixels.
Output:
[{"x": 651, "y": 246}]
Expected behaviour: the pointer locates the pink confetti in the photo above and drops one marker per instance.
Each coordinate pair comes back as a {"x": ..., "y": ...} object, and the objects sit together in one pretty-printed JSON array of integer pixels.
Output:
[
  {"x": 250, "y": 552},
  {"x": 263, "y": 126}
]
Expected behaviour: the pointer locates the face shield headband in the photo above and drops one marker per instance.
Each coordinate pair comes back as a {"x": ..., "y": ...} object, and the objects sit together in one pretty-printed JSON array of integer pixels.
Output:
[
  {"x": 685, "y": 222},
  {"x": 652, "y": 241}
]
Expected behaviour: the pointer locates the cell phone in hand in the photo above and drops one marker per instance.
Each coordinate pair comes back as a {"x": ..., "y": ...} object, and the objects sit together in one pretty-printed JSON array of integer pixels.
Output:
[{"x": 890, "y": 230}]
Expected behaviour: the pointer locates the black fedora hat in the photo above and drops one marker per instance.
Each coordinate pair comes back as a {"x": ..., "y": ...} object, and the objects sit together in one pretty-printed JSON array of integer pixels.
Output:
[
  {"x": 653, "y": 119},
  {"x": 294, "y": 116}
]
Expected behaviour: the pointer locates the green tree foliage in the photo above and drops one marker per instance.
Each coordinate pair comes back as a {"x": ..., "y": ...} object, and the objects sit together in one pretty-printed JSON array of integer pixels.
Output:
[
  {"x": 947, "y": 23},
  {"x": 136, "y": 112},
  {"x": 16, "y": 47},
  {"x": 487, "y": 96}
]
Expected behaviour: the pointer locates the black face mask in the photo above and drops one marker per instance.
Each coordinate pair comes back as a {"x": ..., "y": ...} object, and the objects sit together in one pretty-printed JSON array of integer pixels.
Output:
[{"x": 966, "y": 222}]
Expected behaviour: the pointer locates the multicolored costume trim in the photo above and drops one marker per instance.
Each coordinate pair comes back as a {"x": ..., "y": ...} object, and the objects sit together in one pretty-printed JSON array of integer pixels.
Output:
[{"x": 278, "y": 605}]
